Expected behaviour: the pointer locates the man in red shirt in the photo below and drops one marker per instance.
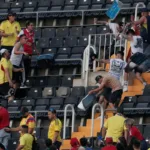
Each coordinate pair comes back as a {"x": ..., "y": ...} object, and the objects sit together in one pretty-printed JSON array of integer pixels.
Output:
[
  {"x": 109, "y": 144},
  {"x": 4, "y": 123},
  {"x": 29, "y": 46},
  {"x": 134, "y": 132}
]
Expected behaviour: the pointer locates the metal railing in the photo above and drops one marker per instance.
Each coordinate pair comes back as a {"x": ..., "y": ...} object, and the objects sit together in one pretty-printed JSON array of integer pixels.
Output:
[
  {"x": 65, "y": 119},
  {"x": 102, "y": 117}
]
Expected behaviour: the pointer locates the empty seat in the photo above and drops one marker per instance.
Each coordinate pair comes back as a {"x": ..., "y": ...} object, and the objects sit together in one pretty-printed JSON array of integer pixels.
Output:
[
  {"x": 64, "y": 51},
  {"x": 97, "y": 4},
  {"x": 29, "y": 6},
  {"x": 43, "y": 6},
  {"x": 15, "y": 108},
  {"x": 15, "y": 103},
  {"x": 50, "y": 51},
  {"x": 56, "y": 42},
  {"x": 128, "y": 106},
  {"x": 89, "y": 30},
  {"x": 37, "y": 32},
  {"x": 76, "y": 31},
  {"x": 35, "y": 92},
  {"x": 143, "y": 99},
  {"x": 139, "y": 110},
  {"x": 41, "y": 81},
  {"x": 48, "y": 32},
  {"x": 62, "y": 32},
  {"x": 4, "y": 103},
  {"x": 42, "y": 104},
  {"x": 78, "y": 91},
  {"x": 83, "y": 41},
  {"x": 146, "y": 132},
  {"x": 71, "y": 41},
  {"x": 132, "y": 99},
  {"x": 67, "y": 81},
  {"x": 56, "y": 103},
  {"x": 29, "y": 82},
  {"x": 71, "y": 100},
  {"x": 57, "y": 5},
  {"x": 4, "y": 7},
  {"x": 70, "y": 4},
  {"x": 77, "y": 50},
  {"x": 12, "y": 144},
  {"x": 28, "y": 102},
  {"x": 84, "y": 4},
  {"x": 44, "y": 43},
  {"x": 63, "y": 92},
  {"x": 16, "y": 6},
  {"x": 103, "y": 30},
  {"x": 54, "y": 81},
  {"x": 48, "y": 92},
  {"x": 40, "y": 108}
]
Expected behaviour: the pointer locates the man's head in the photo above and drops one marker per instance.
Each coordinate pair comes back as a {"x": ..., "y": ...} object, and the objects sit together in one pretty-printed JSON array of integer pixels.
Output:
[
  {"x": 5, "y": 53},
  {"x": 11, "y": 16},
  {"x": 129, "y": 122},
  {"x": 24, "y": 112},
  {"x": 24, "y": 129},
  {"x": 136, "y": 145},
  {"x": 130, "y": 34},
  {"x": 23, "y": 39},
  {"x": 83, "y": 142},
  {"x": 121, "y": 26},
  {"x": 29, "y": 25},
  {"x": 99, "y": 79},
  {"x": 144, "y": 12},
  {"x": 120, "y": 55},
  {"x": 52, "y": 114}
]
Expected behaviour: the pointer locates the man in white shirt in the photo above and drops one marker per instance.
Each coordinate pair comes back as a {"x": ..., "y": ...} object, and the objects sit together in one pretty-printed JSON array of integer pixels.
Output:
[{"x": 136, "y": 43}]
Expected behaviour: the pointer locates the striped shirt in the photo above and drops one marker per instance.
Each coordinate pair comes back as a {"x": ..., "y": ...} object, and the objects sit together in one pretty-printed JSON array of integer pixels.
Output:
[{"x": 112, "y": 82}]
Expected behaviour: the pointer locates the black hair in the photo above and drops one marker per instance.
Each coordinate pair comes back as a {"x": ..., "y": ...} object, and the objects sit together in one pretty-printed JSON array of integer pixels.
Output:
[
  {"x": 83, "y": 142},
  {"x": 52, "y": 147},
  {"x": 24, "y": 110},
  {"x": 121, "y": 53},
  {"x": 120, "y": 146},
  {"x": 24, "y": 126},
  {"x": 97, "y": 78},
  {"x": 120, "y": 23},
  {"x": 48, "y": 142},
  {"x": 28, "y": 23},
  {"x": 120, "y": 109},
  {"x": 21, "y": 36},
  {"x": 136, "y": 144},
  {"x": 123, "y": 141},
  {"x": 130, "y": 31}
]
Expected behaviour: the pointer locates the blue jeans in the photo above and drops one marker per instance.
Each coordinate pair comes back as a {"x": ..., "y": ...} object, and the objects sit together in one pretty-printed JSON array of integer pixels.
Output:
[
  {"x": 144, "y": 145},
  {"x": 4, "y": 137}
]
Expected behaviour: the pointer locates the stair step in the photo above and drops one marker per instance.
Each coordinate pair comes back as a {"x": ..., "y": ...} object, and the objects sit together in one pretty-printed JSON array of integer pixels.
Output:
[
  {"x": 80, "y": 135},
  {"x": 65, "y": 145},
  {"x": 87, "y": 130},
  {"x": 138, "y": 88},
  {"x": 96, "y": 122}
]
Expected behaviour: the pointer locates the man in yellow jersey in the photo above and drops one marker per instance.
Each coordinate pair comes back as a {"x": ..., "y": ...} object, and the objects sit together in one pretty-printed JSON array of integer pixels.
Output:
[
  {"x": 7, "y": 86},
  {"x": 115, "y": 127},
  {"x": 26, "y": 140},
  {"x": 54, "y": 128},
  {"x": 27, "y": 119},
  {"x": 9, "y": 30}
]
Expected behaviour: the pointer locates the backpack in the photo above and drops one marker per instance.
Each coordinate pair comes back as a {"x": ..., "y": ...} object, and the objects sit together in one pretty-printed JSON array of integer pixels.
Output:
[{"x": 35, "y": 145}]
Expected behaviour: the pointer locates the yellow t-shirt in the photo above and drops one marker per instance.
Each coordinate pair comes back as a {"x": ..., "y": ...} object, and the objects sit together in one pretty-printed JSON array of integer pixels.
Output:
[
  {"x": 26, "y": 140},
  {"x": 115, "y": 127},
  {"x": 54, "y": 126},
  {"x": 4, "y": 63},
  {"x": 8, "y": 28}
]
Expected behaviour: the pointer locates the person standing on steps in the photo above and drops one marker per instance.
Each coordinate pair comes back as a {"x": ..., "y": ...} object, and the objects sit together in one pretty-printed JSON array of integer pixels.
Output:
[{"x": 9, "y": 30}]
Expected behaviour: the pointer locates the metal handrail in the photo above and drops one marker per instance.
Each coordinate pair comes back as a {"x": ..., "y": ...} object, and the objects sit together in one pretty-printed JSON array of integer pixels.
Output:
[
  {"x": 102, "y": 117},
  {"x": 65, "y": 119}
]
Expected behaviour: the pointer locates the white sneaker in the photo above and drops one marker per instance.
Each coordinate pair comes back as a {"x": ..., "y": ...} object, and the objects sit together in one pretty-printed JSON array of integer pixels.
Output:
[
  {"x": 125, "y": 88},
  {"x": 23, "y": 87}
]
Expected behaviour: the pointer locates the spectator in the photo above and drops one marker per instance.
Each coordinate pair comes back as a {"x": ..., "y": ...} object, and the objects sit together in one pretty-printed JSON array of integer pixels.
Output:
[
  {"x": 16, "y": 58},
  {"x": 29, "y": 46},
  {"x": 136, "y": 43},
  {"x": 109, "y": 144},
  {"x": 2, "y": 147},
  {"x": 74, "y": 144},
  {"x": 120, "y": 146},
  {"x": 27, "y": 119},
  {"x": 7, "y": 86},
  {"x": 110, "y": 82},
  {"x": 83, "y": 144},
  {"x": 9, "y": 30},
  {"x": 26, "y": 140},
  {"x": 134, "y": 132},
  {"x": 136, "y": 145},
  {"x": 123, "y": 141},
  {"x": 114, "y": 126},
  {"x": 54, "y": 128},
  {"x": 4, "y": 122},
  {"x": 48, "y": 143}
]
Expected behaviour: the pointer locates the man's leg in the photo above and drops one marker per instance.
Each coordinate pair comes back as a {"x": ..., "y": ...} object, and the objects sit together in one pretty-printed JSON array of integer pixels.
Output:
[
  {"x": 5, "y": 140},
  {"x": 57, "y": 144}
]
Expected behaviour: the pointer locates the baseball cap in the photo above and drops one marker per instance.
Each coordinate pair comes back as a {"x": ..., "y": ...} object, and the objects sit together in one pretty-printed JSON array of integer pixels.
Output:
[
  {"x": 97, "y": 78},
  {"x": 3, "y": 50},
  {"x": 143, "y": 10},
  {"x": 109, "y": 140},
  {"x": 11, "y": 13},
  {"x": 52, "y": 110},
  {"x": 24, "y": 110}
]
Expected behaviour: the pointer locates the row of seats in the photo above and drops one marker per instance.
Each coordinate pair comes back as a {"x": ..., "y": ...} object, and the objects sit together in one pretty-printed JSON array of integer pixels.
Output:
[
  {"x": 141, "y": 105},
  {"x": 73, "y": 31},
  {"x": 53, "y": 5}
]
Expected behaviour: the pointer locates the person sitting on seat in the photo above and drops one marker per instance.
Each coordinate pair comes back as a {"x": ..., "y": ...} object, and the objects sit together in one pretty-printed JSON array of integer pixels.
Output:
[{"x": 7, "y": 86}]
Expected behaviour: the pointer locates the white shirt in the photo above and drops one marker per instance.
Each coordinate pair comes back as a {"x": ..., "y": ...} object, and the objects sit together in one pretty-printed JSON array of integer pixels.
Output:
[
  {"x": 16, "y": 59},
  {"x": 116, "y": 67},
  {"x": 114, "y": 28},
  {"x": 136, "y": 44}
]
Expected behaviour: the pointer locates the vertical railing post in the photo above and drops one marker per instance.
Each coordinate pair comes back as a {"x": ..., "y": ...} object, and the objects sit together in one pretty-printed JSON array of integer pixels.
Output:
[{"x": 136, "y": 9}]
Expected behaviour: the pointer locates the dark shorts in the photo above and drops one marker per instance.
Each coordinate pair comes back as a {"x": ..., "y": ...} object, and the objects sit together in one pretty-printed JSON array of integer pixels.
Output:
[
  {"x": 136, "y": 69},
  {"x": 5, "y": 90},
  {"x": 106, "y": 93},
  {"x": 17, "y": 76},
  {"x": 116, "y": 97},
  {"x": 57, "y": 144}
]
